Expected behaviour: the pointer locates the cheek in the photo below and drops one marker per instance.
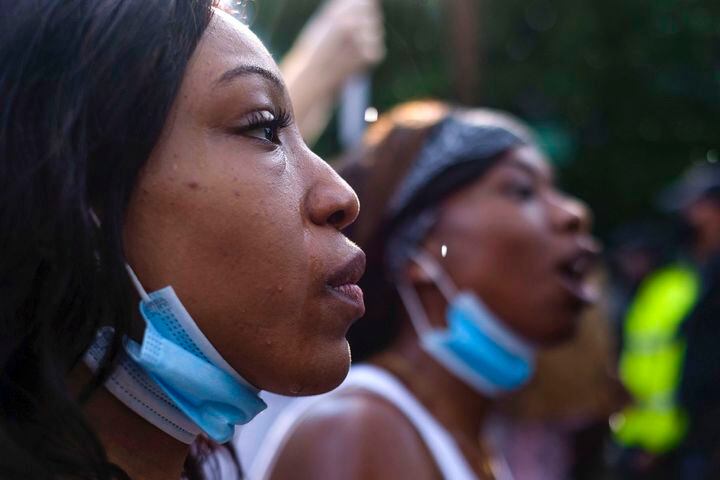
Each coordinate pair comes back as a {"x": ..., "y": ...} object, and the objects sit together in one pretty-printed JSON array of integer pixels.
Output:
[
  {"x": 504, "y": 251},
  {"x": 506, "y": 260},
  {"x": 230, "y": 238}
]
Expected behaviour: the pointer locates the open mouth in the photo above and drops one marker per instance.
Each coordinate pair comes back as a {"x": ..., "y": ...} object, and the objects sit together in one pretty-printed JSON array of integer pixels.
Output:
[{"x": 575, "y": 275}]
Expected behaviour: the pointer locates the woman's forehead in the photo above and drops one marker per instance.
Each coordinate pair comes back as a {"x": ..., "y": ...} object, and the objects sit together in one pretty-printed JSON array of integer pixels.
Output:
[
  {"x": 530, "y": 159},
  {"x": 227, "y": 44}
]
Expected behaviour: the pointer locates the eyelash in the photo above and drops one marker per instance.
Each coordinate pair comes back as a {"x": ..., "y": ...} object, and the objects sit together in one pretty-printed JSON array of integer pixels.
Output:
[
  {"x": 525, "y": 192},
  {"x": 281, "y": 119},
  {"x": 521, "y": 191}
]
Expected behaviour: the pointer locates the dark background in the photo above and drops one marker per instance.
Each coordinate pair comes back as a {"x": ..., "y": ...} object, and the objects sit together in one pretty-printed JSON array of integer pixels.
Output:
[{"x": 625, "y": 94}]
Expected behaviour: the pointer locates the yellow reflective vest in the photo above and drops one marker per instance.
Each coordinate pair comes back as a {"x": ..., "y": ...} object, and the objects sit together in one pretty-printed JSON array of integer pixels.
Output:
[{"x": 651, "y": 360}]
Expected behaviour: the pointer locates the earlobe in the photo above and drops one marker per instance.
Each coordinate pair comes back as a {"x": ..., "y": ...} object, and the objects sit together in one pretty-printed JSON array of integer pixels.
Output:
[{"x": 417, "y": 275}]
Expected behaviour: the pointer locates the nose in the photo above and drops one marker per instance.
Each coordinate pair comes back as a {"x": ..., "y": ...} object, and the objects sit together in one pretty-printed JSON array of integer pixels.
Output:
[
  {"x": 330, "y": 200},
  {"x": 572, "y": 215}
]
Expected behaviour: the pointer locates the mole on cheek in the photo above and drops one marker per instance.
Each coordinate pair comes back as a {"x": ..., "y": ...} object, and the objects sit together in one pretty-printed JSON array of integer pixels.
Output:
[{"x": 193, "y": 185}]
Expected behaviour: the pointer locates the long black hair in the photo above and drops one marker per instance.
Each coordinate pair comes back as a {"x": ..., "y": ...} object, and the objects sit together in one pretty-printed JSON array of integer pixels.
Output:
[{"x": 85, "y": 89}]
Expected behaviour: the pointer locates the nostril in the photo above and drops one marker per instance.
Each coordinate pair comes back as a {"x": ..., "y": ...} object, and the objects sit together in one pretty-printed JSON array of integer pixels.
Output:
[
  {"x": 337, "y": 218},
  {"x": 575, "y": 224}
]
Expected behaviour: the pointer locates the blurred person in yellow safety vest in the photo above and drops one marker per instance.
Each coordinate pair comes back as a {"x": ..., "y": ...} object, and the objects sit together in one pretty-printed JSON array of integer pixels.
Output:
[{"x": 664, "y": 363}]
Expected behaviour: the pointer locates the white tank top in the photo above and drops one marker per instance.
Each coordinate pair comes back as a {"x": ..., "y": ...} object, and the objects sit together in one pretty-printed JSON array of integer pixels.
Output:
[{"x": 447, "y": 455}]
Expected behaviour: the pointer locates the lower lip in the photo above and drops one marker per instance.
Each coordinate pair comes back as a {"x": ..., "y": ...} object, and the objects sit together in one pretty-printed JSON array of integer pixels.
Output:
[
  {"x": 353, "y": 295},
  {"x": 581, "y": 290}
]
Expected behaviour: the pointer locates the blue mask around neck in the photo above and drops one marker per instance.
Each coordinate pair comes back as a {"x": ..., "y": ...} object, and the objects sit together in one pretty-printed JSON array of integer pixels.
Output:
[
  {"x": 475, "y": 346},
  {"x": 175, "y": 378}
]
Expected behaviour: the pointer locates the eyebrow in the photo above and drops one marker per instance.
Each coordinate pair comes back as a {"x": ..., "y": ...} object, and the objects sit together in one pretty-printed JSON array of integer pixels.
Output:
[
  {"x": 532, "y": 171},
  {"x": 244, "y": 70}
]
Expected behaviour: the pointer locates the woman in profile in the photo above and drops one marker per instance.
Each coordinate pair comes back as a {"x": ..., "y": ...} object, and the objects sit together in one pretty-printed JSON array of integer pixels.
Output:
[
  {"x": 170, "y": 246},
  {"x": 475, "y": 260}
]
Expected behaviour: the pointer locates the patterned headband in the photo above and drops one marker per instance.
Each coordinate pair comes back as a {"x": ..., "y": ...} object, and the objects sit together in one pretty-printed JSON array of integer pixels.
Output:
[{"x": 456, "y": 153}]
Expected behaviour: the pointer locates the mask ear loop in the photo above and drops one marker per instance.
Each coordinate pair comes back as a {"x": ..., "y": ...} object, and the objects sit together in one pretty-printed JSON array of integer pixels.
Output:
[
  {"x": 133, "y": 278},
  {"x": 414, "y": 308},
  {"x": 410, "y": 298},
  {"x": 431, "y": 267}
]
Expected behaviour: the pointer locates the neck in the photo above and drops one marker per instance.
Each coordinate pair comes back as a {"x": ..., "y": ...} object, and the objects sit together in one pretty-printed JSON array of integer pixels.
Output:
[
  {"x": 454, "y": 404},
  {"x": 138, "y": 447}
]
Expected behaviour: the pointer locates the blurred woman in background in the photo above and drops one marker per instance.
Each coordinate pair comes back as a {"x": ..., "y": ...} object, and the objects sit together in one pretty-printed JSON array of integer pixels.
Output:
[
  {"x": 148, "y": 153},
  {"x": 475, "y": 259}
]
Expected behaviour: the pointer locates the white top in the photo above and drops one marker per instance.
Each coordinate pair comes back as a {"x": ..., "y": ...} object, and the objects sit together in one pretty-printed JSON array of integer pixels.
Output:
[{"x": 447, "y": 455}]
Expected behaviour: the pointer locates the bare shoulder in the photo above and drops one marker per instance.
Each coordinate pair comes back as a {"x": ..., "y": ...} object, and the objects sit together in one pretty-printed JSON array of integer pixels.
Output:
[{"x": 354, "y": 435}]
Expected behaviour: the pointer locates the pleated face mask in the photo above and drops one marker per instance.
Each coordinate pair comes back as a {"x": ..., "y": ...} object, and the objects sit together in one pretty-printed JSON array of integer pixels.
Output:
[
  {"x": 175, "y": 378},
  {"x": 475, "y": 346}
]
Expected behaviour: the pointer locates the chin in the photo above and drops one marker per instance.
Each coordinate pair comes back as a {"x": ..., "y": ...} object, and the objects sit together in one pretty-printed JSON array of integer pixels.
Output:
[
  {"x": 330, "y": 372},
  {"x": 565, "y": 335},
  {"x": 325, "y": 371},
  {"x": 563, "y": 331},
  {"x": 554, "y": 331}
]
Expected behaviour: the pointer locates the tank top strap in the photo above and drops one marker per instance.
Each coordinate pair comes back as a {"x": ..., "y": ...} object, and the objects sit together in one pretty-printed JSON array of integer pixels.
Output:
[
  {"x": 450, "y": 461},
  {"x": 445, "y": 452}
]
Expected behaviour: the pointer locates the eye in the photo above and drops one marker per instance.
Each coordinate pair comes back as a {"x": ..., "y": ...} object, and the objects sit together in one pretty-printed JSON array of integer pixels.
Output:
[
  {"x": 269, "y": 133},
  {"x": 265, "y": 125},
  {"x": 521, "y": 191}
]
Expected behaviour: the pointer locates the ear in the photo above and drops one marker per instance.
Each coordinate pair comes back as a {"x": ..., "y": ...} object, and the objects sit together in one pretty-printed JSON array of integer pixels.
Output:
[{"x": 416, "y": 275}]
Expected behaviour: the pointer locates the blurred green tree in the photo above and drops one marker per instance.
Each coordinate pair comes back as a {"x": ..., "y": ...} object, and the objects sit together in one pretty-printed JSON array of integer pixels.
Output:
[{"x": 624, "y": 94}]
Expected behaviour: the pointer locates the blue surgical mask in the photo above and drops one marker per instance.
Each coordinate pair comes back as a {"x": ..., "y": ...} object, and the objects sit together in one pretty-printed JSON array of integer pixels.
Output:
[
  {"x": 475, "y": 346},
  {"x": 175, "y": 378}
]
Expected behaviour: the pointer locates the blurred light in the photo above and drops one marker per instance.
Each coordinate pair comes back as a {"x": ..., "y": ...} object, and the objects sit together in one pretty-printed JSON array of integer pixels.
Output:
[
  {"x": 371, "y": 114},
  {"x": 617, "y": 420},
  {"x": 443, "y": 251},
  {"x": 712, "y": 156},
  {"x": 243, "y": 10}
]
